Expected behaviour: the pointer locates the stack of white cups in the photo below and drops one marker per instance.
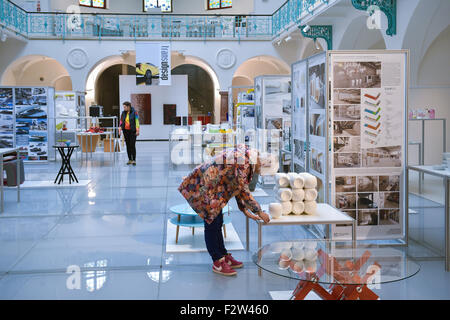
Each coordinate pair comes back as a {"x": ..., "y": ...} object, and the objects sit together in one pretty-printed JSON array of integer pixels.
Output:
[
  {"x": 300, "y": 257},
  {"x": 296, "y": 193}
]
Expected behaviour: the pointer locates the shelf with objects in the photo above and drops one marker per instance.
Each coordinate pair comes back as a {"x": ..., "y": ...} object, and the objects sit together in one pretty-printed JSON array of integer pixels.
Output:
[
  {"x": 355, "y": 137},
  {"x": 24, "y": 121},
  {"x": 87, "y": 132},
  {"x": 272, "y": 116}
]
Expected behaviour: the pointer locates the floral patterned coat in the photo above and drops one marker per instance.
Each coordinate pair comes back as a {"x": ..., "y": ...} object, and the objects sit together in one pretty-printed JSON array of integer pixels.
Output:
[{"x": 210, "y": 186}]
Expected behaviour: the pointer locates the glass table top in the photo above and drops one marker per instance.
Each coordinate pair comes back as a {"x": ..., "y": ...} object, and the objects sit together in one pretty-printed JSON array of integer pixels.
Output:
[{"x": 335, "y": 262}]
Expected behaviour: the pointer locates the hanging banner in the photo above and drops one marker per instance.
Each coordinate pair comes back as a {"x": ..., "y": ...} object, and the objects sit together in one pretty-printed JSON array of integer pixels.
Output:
[
  {"x": 153, "y": 64},
  {"x": 368, "y": 98}
]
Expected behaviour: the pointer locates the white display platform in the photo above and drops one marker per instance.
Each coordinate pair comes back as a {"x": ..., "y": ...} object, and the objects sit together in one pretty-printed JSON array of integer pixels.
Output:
[
  {"x": 196, "y": 243},
  {"x": 286, "y": 295},
  {"x": 325, "y": 214},
  {"x": 51, "y": 184},
  {"x": 259, "y": 193}
]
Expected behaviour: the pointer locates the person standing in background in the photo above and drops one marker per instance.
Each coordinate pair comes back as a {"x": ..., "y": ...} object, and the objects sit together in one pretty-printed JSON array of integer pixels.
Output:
[{"x": 129, "y": 125}]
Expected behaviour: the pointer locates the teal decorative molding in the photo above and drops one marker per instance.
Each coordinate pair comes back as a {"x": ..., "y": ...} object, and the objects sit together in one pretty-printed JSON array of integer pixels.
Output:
[
  {"x": 388, "y": 7},
  {"x": 324, "y": 32}
]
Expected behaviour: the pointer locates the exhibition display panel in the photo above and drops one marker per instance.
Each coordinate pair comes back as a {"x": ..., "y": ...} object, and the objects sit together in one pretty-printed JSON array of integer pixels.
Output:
[
  {"x": 240, "y": 92},
  {"x": 24, "y": 122},
  {"x": 309, "y": 118},
  {"x": 362, "y": 151},
  {"x": 272, "y": 115}
]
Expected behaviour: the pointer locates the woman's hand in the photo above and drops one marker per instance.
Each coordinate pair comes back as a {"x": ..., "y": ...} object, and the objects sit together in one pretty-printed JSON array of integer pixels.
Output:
[
  {"x": 120, "y": 131},
  {"x": 137, "y": 132},
  {"x": 250, "y": 215},
  {"x": 264, "y": 216}
]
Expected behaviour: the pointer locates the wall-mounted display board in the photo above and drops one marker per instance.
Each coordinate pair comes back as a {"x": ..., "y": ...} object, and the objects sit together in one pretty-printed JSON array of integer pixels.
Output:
[
  {"x": 237, "y": 94},
  {"x": 25, "y": 114},
  {"x": 362, "y": 151},
  {"x": 71, "y": 105},
  {"x": 245, "y": 113},
  {"x": 273, "y": 111}
]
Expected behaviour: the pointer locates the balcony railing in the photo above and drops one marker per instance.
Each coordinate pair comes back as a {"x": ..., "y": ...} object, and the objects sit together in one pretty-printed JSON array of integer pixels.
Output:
[
  {"x": 33, "y": 25},
  {"x": 143, "y": 26}
]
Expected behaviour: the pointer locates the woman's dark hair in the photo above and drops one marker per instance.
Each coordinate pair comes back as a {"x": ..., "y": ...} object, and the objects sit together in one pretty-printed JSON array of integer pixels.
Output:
[{"x": 126, "y": 103}]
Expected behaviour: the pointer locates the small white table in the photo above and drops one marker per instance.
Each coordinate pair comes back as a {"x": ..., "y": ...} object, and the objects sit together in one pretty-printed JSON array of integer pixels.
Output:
[
  {"x": 4, "y": 151},
  {"x": 325, "y": 214},
  {"x": 444, "y": 174}
]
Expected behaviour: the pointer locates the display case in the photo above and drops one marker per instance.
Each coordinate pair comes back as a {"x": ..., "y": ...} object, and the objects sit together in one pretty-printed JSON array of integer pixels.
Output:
[
  {"x": 192, "y": 145},
  {"x": 349, "y": 130}
]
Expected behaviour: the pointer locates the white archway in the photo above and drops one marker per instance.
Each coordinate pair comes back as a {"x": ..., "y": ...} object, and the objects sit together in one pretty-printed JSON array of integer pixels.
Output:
[
  {"x": 261, "y": 65},
  {"x": 37, "y": 70}
]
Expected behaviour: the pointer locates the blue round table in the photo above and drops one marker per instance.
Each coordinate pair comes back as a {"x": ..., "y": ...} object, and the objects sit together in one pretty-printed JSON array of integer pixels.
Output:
[{"x": 187, "y": 217}]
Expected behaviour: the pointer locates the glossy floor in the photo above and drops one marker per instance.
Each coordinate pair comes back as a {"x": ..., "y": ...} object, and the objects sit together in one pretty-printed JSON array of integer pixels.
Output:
[{"x": 114, "y": 231}]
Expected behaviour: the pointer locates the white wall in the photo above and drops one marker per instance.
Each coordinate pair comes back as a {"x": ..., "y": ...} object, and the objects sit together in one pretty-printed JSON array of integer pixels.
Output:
[{"x": 177, "y": 94}]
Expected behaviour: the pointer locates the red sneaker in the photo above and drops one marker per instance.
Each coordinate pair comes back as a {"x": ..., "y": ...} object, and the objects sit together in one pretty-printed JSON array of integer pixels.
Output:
[
  {"x": 221, "y": 267},
  {"x": 232, "y": 262}
]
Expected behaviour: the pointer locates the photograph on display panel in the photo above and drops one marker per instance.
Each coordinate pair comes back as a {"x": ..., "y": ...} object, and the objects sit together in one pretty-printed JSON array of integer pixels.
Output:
[
  {"x": 357, "y": 74},
  {"x": 389, "y": 183},
  {"x": 317, "y": 86},
  {"x": 346, "y": 144},
  {"x": 367, "y": 217},
  {"x": 274, "y": 123},
  {"x": 299, "y": 152},
  {"x": 346, "y": 200},
  {"x": 347, "y": 112},
  {"x": 347, "y": 96},
  {"x": 382, "y": 157},
  {"x": 317, "y": 125},
  {"x": 347, "y": 160},
  {"x": 6, "y": 98},
  {"x": 345, "y": 184},
  {"x": 347, "y": 128},
  {"x": 368, "y": 200}
]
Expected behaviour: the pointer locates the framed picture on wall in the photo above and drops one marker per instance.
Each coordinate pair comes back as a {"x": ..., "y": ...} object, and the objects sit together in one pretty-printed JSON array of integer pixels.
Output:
[
  {"x": 142, "y": 103},
  {"x": 170, "y": 114}
]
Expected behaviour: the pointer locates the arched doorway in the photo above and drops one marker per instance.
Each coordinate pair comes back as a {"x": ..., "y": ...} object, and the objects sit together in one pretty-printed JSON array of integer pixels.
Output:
[
  {"x": 246, "y": 73},
  {"x": 200, "y": 90},
  {"x": 37, "y": 70},
  {"x": 179, "y": 59},
  {"x": 106, "y": 72},
  {"x": 107, "y": 91}
]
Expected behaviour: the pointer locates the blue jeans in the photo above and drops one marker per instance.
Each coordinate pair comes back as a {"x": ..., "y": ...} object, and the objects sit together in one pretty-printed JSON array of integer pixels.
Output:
[{"x": 214, "y": 238}]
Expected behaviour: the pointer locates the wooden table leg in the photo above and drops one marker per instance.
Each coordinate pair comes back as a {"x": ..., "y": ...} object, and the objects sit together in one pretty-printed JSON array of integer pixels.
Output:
[{"x": 224, "y": 231}]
